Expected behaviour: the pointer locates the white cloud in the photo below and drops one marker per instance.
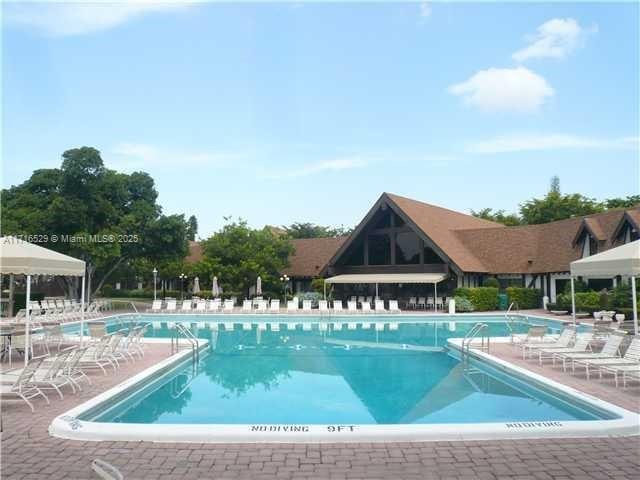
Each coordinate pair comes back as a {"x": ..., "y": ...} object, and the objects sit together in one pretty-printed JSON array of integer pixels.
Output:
[
  {"x": 333, "y": 165},
  {"x": 535, "y": 142},
  {"x": 140, "y": 155},
  {"x": 504, "y": 89},
  {"x": 77, "y": 18},
  {"x": 556, "y": 38}
]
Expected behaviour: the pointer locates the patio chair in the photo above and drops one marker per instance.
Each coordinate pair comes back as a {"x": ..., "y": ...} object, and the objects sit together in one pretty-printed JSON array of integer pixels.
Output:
[
  {"x": 201, "y": 306},
  {"x": 323, "y": 306},
  {"x": 430, "y": 302},
  {"x": 156, "y": 306},
  {"x": 213, "y": 305},
  {"x": 581, "y": 345},
  {"x": 610, "y": 349},
  {"x": 22, "y": 388},
  {"x": 439, "y": 302},
  {"x": 337, "y": 306},
  {"x": 564, "y": 340},
  {"x": 274, "y": 306},
  {"x": 186, "y": 306},
  {"x": 228, "y": 306},
  {"x": 49, "y": 375},
  {"x": 306, "y": 306},
  {"x": 379, "y": 306},
  {"x": 393, "y": 306},
  {"x": 366, "y": 307},
  {"x": 261, "y": 306},
  {"x": 630, "y": 357},
  {"x": 535, "y": 334},
  {"x": 97, "y": 330},
  {"x": 292, "y": 306},
  {"x": 631, "y": 371},
  {"x": 247, "y": 306},
  {"x": 72, "y": 368},
  {"x": 171, "y": 305},
  {"x": 352, "y": 307},
  {"x": 412, "y": 303},
  {"x": 422, "y": 303},
  {"x": 54, "y": 335}
]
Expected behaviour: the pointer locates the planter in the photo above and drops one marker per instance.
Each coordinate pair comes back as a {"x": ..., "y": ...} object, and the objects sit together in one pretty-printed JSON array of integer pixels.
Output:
[{"x": 619, "y": 317}]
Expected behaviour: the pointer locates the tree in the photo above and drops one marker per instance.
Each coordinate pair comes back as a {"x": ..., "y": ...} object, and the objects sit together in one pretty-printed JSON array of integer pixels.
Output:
[
  {"x": 192, "y": 227},
  {"x": 311, "y": 230},
  {"x": 100, "y": 215},
  {"x": 509, "y": 219},
  {"x": 556, "y": 206},
  {"x": 238, "y": 254},
  {"x": 626, "y": 202}
]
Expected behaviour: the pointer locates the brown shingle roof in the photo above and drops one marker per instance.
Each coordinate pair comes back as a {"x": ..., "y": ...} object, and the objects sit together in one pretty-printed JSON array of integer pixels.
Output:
[
  {"x": 440, "y": 224},
  {"x": 311, "y": 255}
]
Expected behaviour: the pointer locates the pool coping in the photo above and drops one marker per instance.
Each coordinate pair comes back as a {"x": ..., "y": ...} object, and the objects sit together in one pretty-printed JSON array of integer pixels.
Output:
[{"x": 68, "y": 425}]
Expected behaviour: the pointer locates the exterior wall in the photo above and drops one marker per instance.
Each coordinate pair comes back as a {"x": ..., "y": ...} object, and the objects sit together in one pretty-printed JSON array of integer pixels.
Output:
[{"x": 557, "y": 276}]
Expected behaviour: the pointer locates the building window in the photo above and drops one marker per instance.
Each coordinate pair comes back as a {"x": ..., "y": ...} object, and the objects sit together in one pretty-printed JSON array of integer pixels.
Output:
[
  {"x": 379, "y": 250},
  {"x": 356, "y": 255},
  {"x": 430, "y": 256},
  {"x": 408, "y": 246}
]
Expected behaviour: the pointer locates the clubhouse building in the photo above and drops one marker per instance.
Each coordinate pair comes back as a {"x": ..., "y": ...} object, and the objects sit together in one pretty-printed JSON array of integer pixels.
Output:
[{"x": 405, "y": 248}]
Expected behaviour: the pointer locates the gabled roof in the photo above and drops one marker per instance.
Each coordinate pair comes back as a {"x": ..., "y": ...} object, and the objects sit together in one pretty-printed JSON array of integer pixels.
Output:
[
  {"x": 311, "y": 255},
  {"x": 632, "y": 217}
]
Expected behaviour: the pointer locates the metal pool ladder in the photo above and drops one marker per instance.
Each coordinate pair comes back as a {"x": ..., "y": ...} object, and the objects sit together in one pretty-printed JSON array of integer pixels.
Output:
[
  {"x": 181, "y": 330},
  {"x": 479, "y": 330}
]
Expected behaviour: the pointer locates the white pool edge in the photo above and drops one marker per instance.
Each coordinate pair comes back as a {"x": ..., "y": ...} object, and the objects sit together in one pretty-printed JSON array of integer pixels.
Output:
[{"x": 68, "y": 426}]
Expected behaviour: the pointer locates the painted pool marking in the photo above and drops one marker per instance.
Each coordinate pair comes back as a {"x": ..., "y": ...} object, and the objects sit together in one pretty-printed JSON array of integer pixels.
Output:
[{"x": 534, "y": 424}]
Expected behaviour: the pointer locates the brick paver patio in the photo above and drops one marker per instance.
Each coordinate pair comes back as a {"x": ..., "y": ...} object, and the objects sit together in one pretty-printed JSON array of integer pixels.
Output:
[{"x": 28, "y": 452}]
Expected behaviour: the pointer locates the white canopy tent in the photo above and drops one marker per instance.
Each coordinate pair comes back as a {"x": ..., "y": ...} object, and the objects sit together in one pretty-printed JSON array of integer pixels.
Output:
[
  {"x": 623, "y": 260},
  {"x": 377, "y": 278},
  {"x": 24, "y": 258}
]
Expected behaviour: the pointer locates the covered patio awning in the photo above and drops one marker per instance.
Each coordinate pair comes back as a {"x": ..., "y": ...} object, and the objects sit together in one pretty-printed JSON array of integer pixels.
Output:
[{"x": 388, "y": 278}]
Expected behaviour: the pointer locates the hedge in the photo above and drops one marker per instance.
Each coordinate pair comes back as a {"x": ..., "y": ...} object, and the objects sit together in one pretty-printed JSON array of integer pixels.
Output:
[
  {"x": 525, "y": 297},
  {"x": 482, "y": 298},
  {"x": 463, "y": 304},
  {"x": 585, "y": 302}
]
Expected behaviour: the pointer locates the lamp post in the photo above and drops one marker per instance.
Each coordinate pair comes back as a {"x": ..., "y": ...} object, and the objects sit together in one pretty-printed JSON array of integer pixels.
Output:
[
  {"x": 182, "y": 277},
  {"x": 155, "y": 283},
  {"x": 285, "y": 282}
]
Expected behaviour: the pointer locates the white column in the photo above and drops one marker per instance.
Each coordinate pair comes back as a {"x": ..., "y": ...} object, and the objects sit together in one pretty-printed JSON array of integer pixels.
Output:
[
  {"x": 84, "y": 276},
  {"x": 635, "y": 305},
  {"x": 376, "y": 291},
  {"x": 324, "y": 285},
  {"x": 573, "y": 301},
  {"x": 435, "y": 296},
  {"x": 27, "y": 325}
]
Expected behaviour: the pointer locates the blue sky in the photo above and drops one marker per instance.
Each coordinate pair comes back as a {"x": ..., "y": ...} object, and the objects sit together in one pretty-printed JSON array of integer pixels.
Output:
[{"x": 307, "y": 112}]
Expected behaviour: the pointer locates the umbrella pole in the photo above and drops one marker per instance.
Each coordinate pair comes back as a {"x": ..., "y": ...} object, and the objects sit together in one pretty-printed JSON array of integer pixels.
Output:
[
  {"x": 82, "y": 310},
  {"x": 635, "y": 305},
  {"x": 27, "y": 325},
  {"x": 573, "y": 301}
]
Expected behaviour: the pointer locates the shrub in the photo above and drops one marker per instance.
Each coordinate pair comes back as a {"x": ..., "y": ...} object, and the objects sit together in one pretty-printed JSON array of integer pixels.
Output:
[
  {"x": 585, "y": 302},
  {"x": 482, "y": 298},
  {"x": 578, "y": 286},
  {"x": 318, "y": 285},
  {"x": 491, "y": 282},
  {"x": 313, "y": 296},
  {"x": 525, "y": 297},
  {"x": 463, "y": 304}
]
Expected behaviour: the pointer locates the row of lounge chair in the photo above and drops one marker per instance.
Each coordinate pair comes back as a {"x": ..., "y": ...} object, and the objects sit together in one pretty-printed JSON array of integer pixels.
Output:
[
  {"x": 273, "y": 306},
  {"x": 69, "y": 366},
  {"x": 61, "y": 310},
  {"x": 575, "y": 351}
]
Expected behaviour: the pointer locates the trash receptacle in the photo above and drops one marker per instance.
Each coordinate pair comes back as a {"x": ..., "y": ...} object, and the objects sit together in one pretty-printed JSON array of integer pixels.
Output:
[{"x": 503, "y": 301}]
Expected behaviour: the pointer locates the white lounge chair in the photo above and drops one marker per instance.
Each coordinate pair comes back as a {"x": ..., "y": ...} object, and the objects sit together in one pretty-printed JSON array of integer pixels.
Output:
[
  {"x": 582, "y": 344},
  {"x": 337, "y": 306},
  {"x": 156, "y": 306},
  {"x": 186, "y": 306},
  {"x": 627, "y": 372},
  {"x": 352, "y": 307},
  {"x": 323, "y": 306},
  {"x": 292, "y": 306},
  {"x": 274, "y": 306},
  {"x": 213, "y": 305},
  {"x": 261, "y": 306},
  {"x": 631, "y": 357},
  {"x": 379, "y": 306},
  {"x": 50, "y": 375},
  {"x": 413, "y": 303},
  {"x": 422, "y": 303},
  {"x": 228, "y": 306},
  {"x": 22, "y": 388},
  {"x": 306, "y": 306},
  {"x": 610, "y": 349},
  {"x": 247, "y": 306},
  {"x": 535, "y": 334},
  {"x": 430, "y": 302},
  {"x": 393, "y": 306},
  {"x": 171, "y": 305},
  {"x": 564, "y": 340},
  {"x": 366, "y": 307},
  {"x": 201, "y": 306}
]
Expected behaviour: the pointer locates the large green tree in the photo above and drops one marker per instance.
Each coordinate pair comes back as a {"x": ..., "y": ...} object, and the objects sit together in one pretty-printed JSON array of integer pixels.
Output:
[
  {"x": 114, "y": 215},
  {"x": 311, "y": 230},
  {"x": 238, "y": 254},
  {"x": 498, "y": 216}
]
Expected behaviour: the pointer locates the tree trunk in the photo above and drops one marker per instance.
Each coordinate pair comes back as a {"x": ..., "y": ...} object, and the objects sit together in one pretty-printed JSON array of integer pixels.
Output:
[{"x": 109, "y": 272}]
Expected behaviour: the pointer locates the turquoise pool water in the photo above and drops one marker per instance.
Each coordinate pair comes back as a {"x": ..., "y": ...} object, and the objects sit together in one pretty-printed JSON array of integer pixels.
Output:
[{"x": 360, "y": 376}]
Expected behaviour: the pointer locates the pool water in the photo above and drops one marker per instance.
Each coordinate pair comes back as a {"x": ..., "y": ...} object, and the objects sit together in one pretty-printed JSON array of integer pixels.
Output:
[{"x": 360, "y": 376}]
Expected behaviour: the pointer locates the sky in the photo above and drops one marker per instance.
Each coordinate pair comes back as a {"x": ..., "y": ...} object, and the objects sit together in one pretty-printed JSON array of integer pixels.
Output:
[{"x": 284, "y": 112}]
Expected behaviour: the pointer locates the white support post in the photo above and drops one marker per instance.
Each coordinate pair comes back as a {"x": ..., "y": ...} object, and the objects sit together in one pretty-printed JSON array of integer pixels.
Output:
[
  {"x": 573, "y": 301},
  {"x": 324, "y": 285},
  {"x": 435, "y": 297},
  {"x": 635, "y": 305},
  {"x": 376, "y": 291},
  {"x": 84, "y": 276},
  {"x": 27, "y": 325}
]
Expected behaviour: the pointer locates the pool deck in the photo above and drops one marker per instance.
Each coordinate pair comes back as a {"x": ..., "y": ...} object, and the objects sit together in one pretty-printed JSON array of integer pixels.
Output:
[{"x": 28, "y": 452}]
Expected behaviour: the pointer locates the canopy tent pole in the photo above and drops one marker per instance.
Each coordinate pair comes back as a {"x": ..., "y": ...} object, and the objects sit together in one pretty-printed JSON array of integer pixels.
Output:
[
  {"x": 376, "y": 291},
  {"x": 435, "y": 297},
  {"x": 324, "y": 285},
  {"x": 573, "y": 301},
  {"x": 27, "y": 325},
  {"x": 635, "y": 305},
  {"x": 84, "y": 276}
]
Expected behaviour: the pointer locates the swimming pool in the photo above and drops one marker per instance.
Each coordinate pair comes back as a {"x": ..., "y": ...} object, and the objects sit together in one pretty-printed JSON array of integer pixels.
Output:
[{"x": 388, "y": 378}]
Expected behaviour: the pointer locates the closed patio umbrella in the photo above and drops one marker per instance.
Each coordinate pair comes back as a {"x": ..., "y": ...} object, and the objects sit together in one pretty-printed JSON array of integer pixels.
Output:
[
  {"x": 196, "y": 286},
  {"x": 259, "y": 286},
  {"x": 215, "y": 289}
]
